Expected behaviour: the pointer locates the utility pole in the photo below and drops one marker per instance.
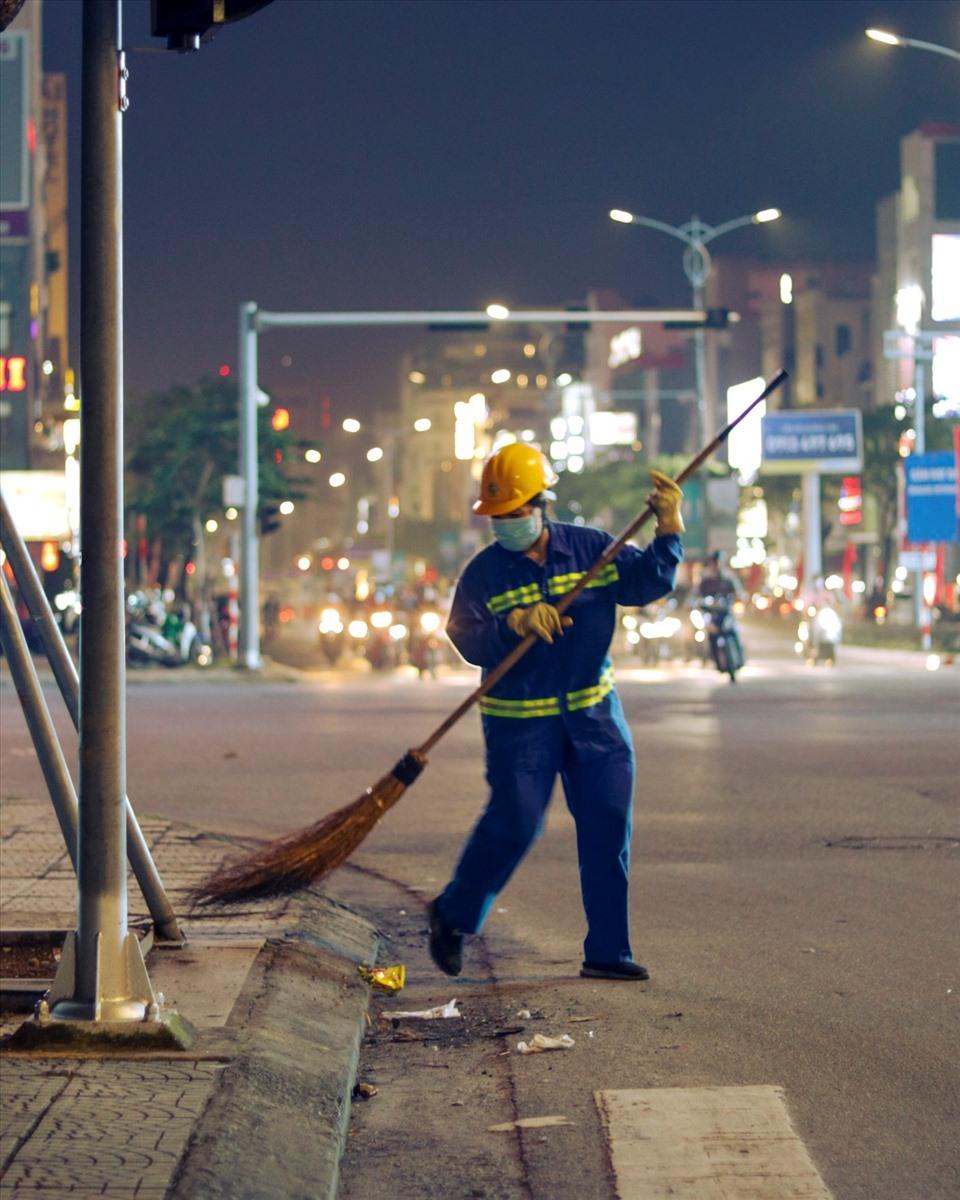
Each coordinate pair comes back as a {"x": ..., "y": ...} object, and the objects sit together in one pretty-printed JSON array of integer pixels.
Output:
[
  {"x": 253, "y": 321},
  {"x": 102, "y": 977},
  {"x": 249, "y": 649}
]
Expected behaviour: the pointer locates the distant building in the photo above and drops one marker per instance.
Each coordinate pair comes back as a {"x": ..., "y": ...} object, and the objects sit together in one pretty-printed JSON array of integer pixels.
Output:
[
  {"x": 33, "y": 250},
  {"x": 811, "y": 318},
  {"x": 917, "y": 283},
  {"x": 474, "y": 387},
  {"x": 39, "y": 429}
]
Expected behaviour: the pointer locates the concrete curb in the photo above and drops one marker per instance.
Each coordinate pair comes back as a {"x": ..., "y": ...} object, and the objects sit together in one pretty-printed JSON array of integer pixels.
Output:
[
  {"x": 276, "y": 1125},
  {"x": 257, "y": 1106}
]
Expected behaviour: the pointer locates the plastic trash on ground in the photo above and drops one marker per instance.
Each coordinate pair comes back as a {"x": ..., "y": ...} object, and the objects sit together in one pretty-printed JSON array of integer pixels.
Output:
[
  {"x": 429, "y": 1014},
  {"x": 539, "y": 1042},
  {"x": 529, "y": 1123},
  {"x": 385, "y": 979}
]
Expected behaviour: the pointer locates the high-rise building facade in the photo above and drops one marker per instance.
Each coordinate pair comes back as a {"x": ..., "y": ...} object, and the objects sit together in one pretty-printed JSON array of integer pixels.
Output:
[{"x": 917, "y": 285}]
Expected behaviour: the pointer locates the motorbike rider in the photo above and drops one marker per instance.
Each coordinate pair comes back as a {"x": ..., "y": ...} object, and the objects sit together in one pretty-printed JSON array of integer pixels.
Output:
[
  {"x": 720, "y": 583},
  {"x": 556, "y": 711}
]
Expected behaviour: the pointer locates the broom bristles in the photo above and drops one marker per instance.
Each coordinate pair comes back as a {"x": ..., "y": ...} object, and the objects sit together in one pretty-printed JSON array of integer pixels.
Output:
[{"x": 302, "y": 858}]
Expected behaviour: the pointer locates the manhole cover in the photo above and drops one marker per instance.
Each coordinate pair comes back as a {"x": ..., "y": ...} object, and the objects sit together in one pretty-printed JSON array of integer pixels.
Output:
[{"x": 902, "y": 842}]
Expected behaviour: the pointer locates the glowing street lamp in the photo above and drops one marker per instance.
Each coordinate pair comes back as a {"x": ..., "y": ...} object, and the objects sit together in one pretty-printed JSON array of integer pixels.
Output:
[
  {"x": 695, "y": 234},
  {"x": 892, "y": 39}
]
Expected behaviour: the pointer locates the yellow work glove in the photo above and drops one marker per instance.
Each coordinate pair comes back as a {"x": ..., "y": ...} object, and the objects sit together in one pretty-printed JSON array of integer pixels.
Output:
[
  {"x": 665, "y": 500},
  {"x": 541, "y": 619}
]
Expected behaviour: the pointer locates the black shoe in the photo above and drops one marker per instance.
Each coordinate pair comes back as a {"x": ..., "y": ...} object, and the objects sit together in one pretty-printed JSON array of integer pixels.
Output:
[
  {"x": 615, "y": 970},
  {"x": 446, "y": 944}
]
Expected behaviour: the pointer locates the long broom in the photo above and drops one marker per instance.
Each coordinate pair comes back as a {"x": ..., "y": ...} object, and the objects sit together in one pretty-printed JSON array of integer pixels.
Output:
[{"x": 304, "y": 857}]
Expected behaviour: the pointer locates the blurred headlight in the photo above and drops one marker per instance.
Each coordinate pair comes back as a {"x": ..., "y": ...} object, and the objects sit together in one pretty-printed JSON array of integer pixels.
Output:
[
  {"x": 330, "y": 621},
  {"x": 830, "y": 623},
  {"x": 429, "y": 622},
  {"x": 382, "y": 619},
  {"x": 357, "y": 629}
]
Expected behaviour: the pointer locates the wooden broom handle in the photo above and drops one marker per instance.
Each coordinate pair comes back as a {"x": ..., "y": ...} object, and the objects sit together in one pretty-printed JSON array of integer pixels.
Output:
[{"x": 604, "y": 560}]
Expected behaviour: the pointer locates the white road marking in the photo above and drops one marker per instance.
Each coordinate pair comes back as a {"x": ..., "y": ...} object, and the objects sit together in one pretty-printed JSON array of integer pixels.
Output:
[{"x": 714, "y": 1143}]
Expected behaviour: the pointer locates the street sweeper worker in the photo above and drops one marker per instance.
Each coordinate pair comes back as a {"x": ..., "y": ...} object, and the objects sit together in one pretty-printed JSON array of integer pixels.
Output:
[{"x": 556, "y": 711}]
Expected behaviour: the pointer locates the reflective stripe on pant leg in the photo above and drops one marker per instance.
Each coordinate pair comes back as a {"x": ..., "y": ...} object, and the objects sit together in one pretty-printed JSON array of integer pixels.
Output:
[
  {"x": 600, "y": 797},
  {"x": 508, "y": 827}
]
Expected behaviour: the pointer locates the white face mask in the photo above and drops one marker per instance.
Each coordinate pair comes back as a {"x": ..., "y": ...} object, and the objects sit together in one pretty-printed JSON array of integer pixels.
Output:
[{"x": 518, "y": 533}]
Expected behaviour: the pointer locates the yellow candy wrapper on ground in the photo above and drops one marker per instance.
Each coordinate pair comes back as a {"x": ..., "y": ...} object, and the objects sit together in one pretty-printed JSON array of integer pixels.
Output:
[{"x": 385, "y": 979}]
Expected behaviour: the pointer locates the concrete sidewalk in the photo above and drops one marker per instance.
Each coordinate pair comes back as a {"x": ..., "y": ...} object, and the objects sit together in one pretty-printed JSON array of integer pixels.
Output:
[{"x": 257, "y": 1107}]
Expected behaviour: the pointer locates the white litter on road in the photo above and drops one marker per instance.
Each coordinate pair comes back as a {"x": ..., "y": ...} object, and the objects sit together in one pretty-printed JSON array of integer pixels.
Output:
[
  {"x": 529, "y": 1123},
  {"x": 428, "y": 1014},
  {"x": 539, "y": 1043}
]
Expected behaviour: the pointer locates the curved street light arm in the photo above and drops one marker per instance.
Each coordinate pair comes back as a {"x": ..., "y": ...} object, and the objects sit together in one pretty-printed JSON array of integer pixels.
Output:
[
  {"x": 682, "y": 231},
  {"x": 736, "y": 223},
  {"x": 931, "y": 46}
]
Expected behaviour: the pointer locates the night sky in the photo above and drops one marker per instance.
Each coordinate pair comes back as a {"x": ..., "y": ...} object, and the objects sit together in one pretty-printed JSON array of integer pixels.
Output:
[{"x": 368, "y": 155}]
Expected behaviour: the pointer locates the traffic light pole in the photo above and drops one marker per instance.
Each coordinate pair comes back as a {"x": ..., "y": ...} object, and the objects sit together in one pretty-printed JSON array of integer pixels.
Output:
[
  {"x": 252, "y": 321},
  {"x": 249, "y": 648},
  {"x": 101, "y": 977}
]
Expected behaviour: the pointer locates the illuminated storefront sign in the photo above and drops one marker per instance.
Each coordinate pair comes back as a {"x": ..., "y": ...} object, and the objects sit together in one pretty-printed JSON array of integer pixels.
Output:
[
  {"x": 625, "y": 346},
  {"x": 744, "y": 448},
  {"x": 13, "y": 374},
  {"x": 945, "y": 277}
]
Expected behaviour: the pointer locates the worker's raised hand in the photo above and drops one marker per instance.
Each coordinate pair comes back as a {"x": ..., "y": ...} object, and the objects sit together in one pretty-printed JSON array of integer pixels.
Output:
[
  {"x": 665, "y": 500},
  {"x": 541, "y": 619}
]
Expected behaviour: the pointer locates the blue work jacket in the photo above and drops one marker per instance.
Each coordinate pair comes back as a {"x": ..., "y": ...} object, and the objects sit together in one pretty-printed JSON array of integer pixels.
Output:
[{"x": 573, "y": 677}]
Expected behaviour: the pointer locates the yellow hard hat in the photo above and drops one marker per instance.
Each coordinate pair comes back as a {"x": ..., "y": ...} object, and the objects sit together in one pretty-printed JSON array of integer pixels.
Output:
[{"x": 511, "y": 477}]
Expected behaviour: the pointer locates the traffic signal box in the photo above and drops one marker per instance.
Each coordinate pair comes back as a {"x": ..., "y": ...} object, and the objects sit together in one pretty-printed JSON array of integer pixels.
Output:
[
  {"x": 185, "y": 23},
  {"x": 269, "y": 519}
]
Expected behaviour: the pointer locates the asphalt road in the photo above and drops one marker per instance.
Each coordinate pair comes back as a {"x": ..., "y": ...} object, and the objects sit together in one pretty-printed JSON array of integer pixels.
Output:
[{"x": 796, "y": 857}]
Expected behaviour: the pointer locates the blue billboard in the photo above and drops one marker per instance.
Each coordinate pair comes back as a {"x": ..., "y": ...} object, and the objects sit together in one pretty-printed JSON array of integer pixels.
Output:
[
  {"x": 931, "y": 497},
  {"x": 828, "y": 442}
]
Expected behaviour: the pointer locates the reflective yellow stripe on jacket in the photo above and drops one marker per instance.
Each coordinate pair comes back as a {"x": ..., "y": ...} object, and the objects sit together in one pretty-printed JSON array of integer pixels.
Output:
[
  {"x": 549, "y": 706},
  {"x": 515, "y": 598},
  {"x": 560, "y": 584}
]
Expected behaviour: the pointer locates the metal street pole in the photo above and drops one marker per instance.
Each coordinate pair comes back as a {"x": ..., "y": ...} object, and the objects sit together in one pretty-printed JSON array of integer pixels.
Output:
[
  {"x": 252, "y": 321},
  {"x": 919, "y": 446},
  {"x": 102, "y": 975},
  {"x": 695, "y": 234},
  {"x": 249, "y": 650}
]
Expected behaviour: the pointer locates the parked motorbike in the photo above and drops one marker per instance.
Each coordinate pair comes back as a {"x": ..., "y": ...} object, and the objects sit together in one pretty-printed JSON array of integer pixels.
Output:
[
  {"x": 67, "y": 609},
  {"x": 155, "y": 637},
  {"x": 722, "y": 634},
  {"x": 818, "y": 635}
]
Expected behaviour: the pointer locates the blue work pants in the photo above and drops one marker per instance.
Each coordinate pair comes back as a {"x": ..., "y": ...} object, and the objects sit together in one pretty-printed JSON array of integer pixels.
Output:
[{"x": 599, "y": 793}]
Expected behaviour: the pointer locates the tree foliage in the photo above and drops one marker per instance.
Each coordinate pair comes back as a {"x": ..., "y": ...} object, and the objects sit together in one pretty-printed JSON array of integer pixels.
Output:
[
  {"x": 181, "y": 444},
  {"x": 881, "y": 456},
  {"x": 611, "y": 492}
]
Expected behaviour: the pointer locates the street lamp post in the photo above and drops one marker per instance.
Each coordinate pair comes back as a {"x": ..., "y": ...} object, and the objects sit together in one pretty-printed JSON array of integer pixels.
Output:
[
  {"x": 894, "y": 39},
  {"x": 696, "y": 234}
]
